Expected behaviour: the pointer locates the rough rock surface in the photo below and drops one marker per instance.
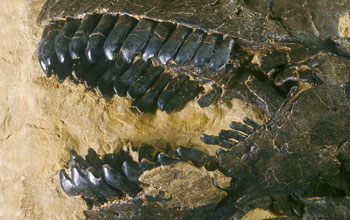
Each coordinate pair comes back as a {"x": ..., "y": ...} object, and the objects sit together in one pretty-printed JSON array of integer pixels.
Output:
[
  {"x": 187, "y": 185},
  {"x": 41, "y": 120}
]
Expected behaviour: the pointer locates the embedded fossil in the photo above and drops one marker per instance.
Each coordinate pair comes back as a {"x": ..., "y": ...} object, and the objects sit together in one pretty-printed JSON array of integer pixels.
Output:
[{"x": 286, "y": 60}]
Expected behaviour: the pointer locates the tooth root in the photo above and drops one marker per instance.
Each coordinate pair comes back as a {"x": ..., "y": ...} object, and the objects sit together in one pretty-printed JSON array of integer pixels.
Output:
[
  {"x": 132, "y": 171},
  {"x": 136, "y": 40},
  {"x": 63, "y": 39},
  {"x": 119, "y": 181},
  {"x": 197, "y": 157},
  {"x": 221, "y": 54},
  {"x": 148, "y": 102},
  {"x": 146, "y": 164},
  {"x": 76, "y": 160},
  {"x": 79, "y": 40},
  {"x": 209, "y": 98},
  {"x": 251, "y": 123},
  {"x": 92, "y": 76},
  {"x": 267, "y": 98},
  {"x": 227, "y": 134},
  {"x": 187, "y": 92},
  {"x": 145, "y": 152},
  {"x": 117, "y": 36},
  {"x": 67, "y": 185},
  {"x": 105, "y": 83},
  {"x": 214, "y": 140},
  {"x": 80, "y": 67},
  {"x": 241, "y": 127},
  {"x": 171, "y": 90},
  {"x": 63, "y": 70},
  {"x": 101, "y": 186},
  {"x": 42, "y": 43},
  {"x": 173, "y": 44},
  {"x": 205, "y": 51},
  {"x": 79, "y": 180},
  {"x": 48, "y": 57},
  {"x": 93, "y": 160},
  {"x": 189, "y": 47},
  {"x": 157, "y": 38},
  {"x": 165, "y": 160},
  {"x": 94, "y": 49},
  {"x": 219, "y": 152},
  {"x": 130, "y": 76},
  {"x": 138, "y": 88}
]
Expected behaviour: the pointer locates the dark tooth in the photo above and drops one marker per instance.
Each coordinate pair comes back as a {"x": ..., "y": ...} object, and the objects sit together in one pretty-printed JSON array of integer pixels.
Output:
[
  {"x": 165, "y": 160},
  {"x": 157, "y": 38},
  {"x": 272, "y": 61},
  {"x": 130, "y": 76},
  {"x": 146, "y": 164},
  {"x": 219, "y": 152},
  {"x": 347, "y": 92},
  {"x": 117, "y": 36},
  {"x": 76, "y": 160},
  {"x": 116, "y": 160},
  {"x": 197, "y": 157},
  {"x": 171, "y": 90},
  {"x": 148, "y": 102},
  {"x": 251, "y": 123},
  {"x": 67, "y": 185},
  {"x": 119, "y": 181},
  {"x": 46, "y": 31},
  {"x": 138, "y": 88},
  {"x": 288, "y": 75},
  {"x": 111, "y": 160},
  {"x": 132, "y": 170},
  {"x": 100, "y": 185},
  {"x": 214, "y": 140},
  {"x": 241, "y": 127},
  {"x": 209, "y": 98},
  {"x": 96, "y": 71},
  {"x": 227, "y": 134},
  {"x": 188, "y": 91},
  {"x": 136, "y": 40},
  {"x": 93, "y": 160},
  {"x": 267, "y": 98},
  {"x": 63, "y": 39},
  {"x": 79, "y": 180},
  {"x": 79, "y": 41},
  {"x": 221, "y": 54},
  {"x": 94, "y": 48},
  {"x": 145, "y": 152},
  {"x": 173, "y": 44},
  {"x": 189, "y": 47},
  {"x": 48, "y": 57},
  {"x": 205, "y": 51},
  {"x": 63, "y": 70},
  {"x": 80, "y": 67},
  {"x": 105, "y": 83}
]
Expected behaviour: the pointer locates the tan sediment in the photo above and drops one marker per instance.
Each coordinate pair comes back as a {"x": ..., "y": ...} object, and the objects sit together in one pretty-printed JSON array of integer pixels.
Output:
[{"x": 344, "y": 26}]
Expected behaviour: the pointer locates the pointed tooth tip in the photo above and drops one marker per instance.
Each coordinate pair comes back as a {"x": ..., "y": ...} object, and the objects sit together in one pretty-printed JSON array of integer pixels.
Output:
[
  {"x": 109, "y": 54},
  {"x": 89, "y": 56},
  {"x": 179, "y": 152},
  {"x": 74, "y": 56},
  {"x": 162, "y": 60},
  {"x": 61, "y": 58},
  {"x": 92, "y": 178},
  {"x": 67, "y": 184}
]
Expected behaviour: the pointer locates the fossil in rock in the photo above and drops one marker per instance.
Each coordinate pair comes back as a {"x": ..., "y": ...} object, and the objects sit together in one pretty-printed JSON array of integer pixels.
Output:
[
  {"x": 279, "y": 56},
  {"x": 117, "y": 177}
]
